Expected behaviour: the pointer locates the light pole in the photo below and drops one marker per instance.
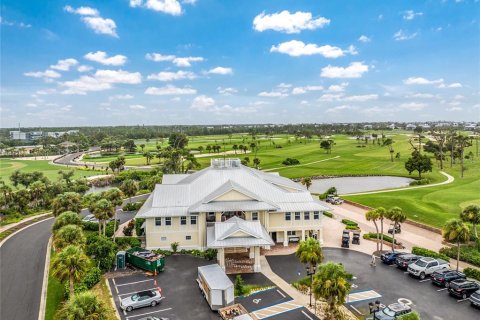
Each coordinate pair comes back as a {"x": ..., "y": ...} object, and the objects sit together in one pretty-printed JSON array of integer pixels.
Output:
[
  {"x": 374, "y": 308},
  {"x": 310, "y": 272}
]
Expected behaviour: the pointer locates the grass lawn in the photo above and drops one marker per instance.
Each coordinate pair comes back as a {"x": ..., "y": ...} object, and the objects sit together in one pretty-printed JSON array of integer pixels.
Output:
[
  {"x": 8, "y": 166},
  {"x": 55, "y": 294},
  {"x": 103, "y": 294}
]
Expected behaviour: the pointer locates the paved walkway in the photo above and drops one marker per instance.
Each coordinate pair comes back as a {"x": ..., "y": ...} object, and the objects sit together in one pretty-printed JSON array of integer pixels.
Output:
[{"x": 450, "y": 179}]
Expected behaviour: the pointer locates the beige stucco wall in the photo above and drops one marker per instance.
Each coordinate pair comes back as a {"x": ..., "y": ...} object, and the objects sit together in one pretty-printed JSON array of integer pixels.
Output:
[
  {"x": 277, "y": 222},
  {"x": 174, "y": 233}
]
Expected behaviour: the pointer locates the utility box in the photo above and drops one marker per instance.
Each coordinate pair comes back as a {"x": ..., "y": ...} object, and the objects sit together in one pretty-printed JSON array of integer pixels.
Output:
[
  {"x": 121, "y": 263},
  {"x": 216, "y": 286}
]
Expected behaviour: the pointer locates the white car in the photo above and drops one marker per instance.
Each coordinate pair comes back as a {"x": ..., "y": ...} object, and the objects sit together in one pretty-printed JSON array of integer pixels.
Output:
[{"x": 426, "y": 266}]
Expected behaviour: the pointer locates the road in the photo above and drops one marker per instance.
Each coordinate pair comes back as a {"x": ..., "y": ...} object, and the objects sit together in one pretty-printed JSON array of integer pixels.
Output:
[{"x": 22, "y": 262}]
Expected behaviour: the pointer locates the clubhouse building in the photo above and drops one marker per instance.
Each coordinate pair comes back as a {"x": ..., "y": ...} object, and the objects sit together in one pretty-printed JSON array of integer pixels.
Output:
[{"x": 232, "y": 208}]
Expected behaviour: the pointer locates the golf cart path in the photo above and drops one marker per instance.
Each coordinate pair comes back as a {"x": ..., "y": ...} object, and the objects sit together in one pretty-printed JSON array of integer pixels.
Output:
[
  {"x": 300, "y": 165},
  {"x": 450, "y": 179}
]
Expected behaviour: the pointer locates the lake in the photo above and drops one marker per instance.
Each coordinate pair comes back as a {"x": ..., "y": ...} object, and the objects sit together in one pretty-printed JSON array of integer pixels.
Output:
[{"x": 346, "y": 185}]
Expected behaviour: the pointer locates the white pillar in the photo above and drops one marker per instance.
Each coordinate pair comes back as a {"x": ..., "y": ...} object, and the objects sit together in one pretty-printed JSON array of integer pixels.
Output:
[
  {"x": 251, "y": 253},
  {"x": 285, "y": 239},
  {"x": 221, "y": 258},
  {"x": 303, "y": 235},
  {"x": 256, "y": 266},
  {"x": 320, "y": 235}
]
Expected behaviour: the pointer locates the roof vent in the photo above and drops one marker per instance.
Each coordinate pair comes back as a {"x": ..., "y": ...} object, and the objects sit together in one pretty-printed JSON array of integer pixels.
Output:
[{"x": 225, "y": 163}]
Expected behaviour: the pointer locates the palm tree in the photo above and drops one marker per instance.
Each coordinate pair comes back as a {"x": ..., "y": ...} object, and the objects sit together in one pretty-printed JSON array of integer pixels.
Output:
[
  {"x": 70, "y": 264},
  {"x": 235, "y": 148},
  {"x": 307, "y": 182},
  {"x": 309, "y": 252},
  {"x": 472, "y": 214},
  {"x": 330, "y": 283},
  {"x": 37, "y": 190},
  {"x": 455, "y": 230},
  {"x": 389, "y": 143},
  {"x": 256, "y": 162},
  {"x": 463, "y": 142},
  {"x": 148, "y": 156},
  {"x": 66, "y": 218},
  {"x": 115, "y": 196},
  {"x": 397, "y": 216},
  {"x": 142, "y": 146},
  {"x": 382, "y": 212},
  {"x": 85, "y": 305},
  {"x": 68, "y": 235},
  {"x": 103, "y": 209},
  {"x": 68, "y": 201},
  {"x": 129, "y": 187},
  {"x": 373, "y": 215}
]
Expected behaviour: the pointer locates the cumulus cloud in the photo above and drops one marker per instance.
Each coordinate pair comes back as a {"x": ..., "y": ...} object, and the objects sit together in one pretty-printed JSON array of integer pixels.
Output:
[
  {"x": 171, "y": 76},
  {"x": 202, "y": 103},
  {"x": 303, "y": 90},
  {"x": 340, "y": 108},
  {"x": 454, "y": 85},
  {"x": 338, "y": 87},
  {"x": 421, "y": 81},
  {"x": 227, "y": 91},
  {"x": 171, "y": 7},
  {"x": 401, "y": 35},
  {"x": 103, "y": 58},
  {"x": 84, "y": 68},
  {"x": 364, "y": 39},
  {"x": 421, "y": 95},
  {"x": 47, "y": 75},
  {"x": 120, "y": 97},
  {"x": 272, "y": 94},
  {"x": 297, "y": 48},
  {"x": 101, "y": 80},
  {"x": 288, "y": 22},
  {"x": 354, "y": 70},
  {"x": 64, "y": 65},
  {"x": 92, "y": 19},
  {"x": 169, "y": 90},
  {"x": 137, "y": 107},
  {"x": 220, "y": 70},
  {"x": 410, "y": 14},
  {"x": 413, "y": 106},
  {"x": 361, "y": 98},
  {"x": 178, "y": 61},
  {"x": 4, "y": 22}
]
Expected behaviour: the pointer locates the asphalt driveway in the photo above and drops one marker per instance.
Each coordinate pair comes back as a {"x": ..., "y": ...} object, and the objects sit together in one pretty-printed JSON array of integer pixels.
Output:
[{"x": 385, "y": 283}]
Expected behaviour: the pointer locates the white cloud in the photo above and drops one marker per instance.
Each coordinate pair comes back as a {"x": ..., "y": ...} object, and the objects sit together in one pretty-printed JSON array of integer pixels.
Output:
[
  {"x": 92, "y": 19},
  {"x": 158, "y": 57},
  {"x": 101, "y": 80},
  {"x": 31, "y": 105},
  {"x": 227, "y": 91},
  {"x": 171, "y": 7},
  {"x": 352, "y": 50},
  {"x": 169, "y": 90},
  {"x": 340, "y": 108},
  {"x": 288, "y": 22},
  {"x": 364, "y": 39},
  {"x": 220, "y": 70},
  {"x": 103, "y": 58},
  {"x": 178, "y": 61},
  {"x": 354, "y": 70},
  {"x": 452, "y": 109},
  {"x": 297, "y": 48},
  {"x": 202, "y": 103},
  {"x": 4, "y": 22},
  {"x": 118, "y": 76},
  {"x": 330, "y": 97},
  {"x": 272, "y": 94},
  {"x": 84, "y": 68},
  {"x": 454, "y": 85},
  {"x": 401, "y": 35},
  {"x": 137, "y": 107},
  {"x": 410, "y": 14},
  {"x": 47, "y": 75},
  {"x": 66, "y": 108},
  {"x": 413, "y": 106},
  {"x": 120, "y": 97},
  {"x": 171, "y": 76},
  {"x": 302, "y": 90},
  {"x": 421, "y": 95},
  {"x": 421, "y": 81},
  {"x": 338, "y": 87},
  {"x": 46, "y": 91},
  {"x": 361, "y": 98},
  {"x": 64, "y": 65},
  {"x": 186, "y": 61}
]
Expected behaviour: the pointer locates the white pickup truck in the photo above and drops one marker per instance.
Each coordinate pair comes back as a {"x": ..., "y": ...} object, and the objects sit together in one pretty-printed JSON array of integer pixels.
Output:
[{"x": 426, "y": 266}]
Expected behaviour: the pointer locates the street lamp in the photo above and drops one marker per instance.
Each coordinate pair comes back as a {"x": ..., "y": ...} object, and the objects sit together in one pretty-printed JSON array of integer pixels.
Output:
[
  {"x": 310, "y": 272},
  {"x": 374, "y": 308}
]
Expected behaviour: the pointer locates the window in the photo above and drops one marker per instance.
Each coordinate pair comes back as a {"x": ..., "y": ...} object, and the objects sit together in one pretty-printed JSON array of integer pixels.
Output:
[
  {"x": 288, "y": 216},
  {"x": 193, "y": 220},
  {"x": 168, "y": 221},
  {"x": 291, "y": 233},
  {"x": 188, "y": 237},
  {"x": 211, "y": 217},
  {"x": 163, "y": 238},
  {"x": 297, "y": 215},
  {"x": 183, "y": 220},
  {"x": 158, "y": 221},
  {"x": 306, "y": 215},
  {"x": 316, "y": 215},
  {"x": 254, "y": 216}
]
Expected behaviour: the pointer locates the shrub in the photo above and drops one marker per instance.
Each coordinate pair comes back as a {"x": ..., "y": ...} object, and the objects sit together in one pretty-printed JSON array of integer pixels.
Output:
[
  {"x": 472, "y": 273},
  {"x": 91, "y": 278},
  {"x": 102, "y": 249},
  {"x": 109, "y": 229},
  {"x": 128, "y": 229},
  {"x": 373, "y": 236},
  {"x": 166, "y": 253},
  {"x": 90, "y": 226},
  {"x": 420, "y": 182},
  {"x": 138, "y": 226},
  {"x": 351, "y": 227},
  {"x": 133, "y": 206},
  {"x": 142, "y": 191},
  {"x": 429, "y": 253},
  {"x": 410, "y": 316},
  {"x": 349, "y": 222},
  {"x": 128, "y": 242},
  {"x": 328, "y": 214},
  {"x": 290, "y": 162},
  {"x": 468, "y": 254},
  {"x": 174, "y": 246},
  {"x": 210, "y": 254},
  {"x": 239, "y": 286}
]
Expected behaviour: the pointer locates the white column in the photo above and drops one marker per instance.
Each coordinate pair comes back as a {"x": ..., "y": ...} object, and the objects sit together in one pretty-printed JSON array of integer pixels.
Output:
[
  {"x": 221, "y": 258},
  {"x": 285, "y": 239},
  {"x": 256, "y": 266},
  {"x": 320, "y": 235},
  {"x": 251, "y": 254},
  {"x": 303, "y": 235}
]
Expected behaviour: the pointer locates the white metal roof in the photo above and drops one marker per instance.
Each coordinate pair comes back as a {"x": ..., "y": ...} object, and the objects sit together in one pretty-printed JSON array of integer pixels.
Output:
[
  {"x": 215, "y": 277},
  {"x": 236, "y": 232}
]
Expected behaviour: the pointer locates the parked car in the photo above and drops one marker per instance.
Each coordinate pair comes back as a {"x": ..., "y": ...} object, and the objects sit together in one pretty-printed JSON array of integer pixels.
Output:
[
  {"x": 463, "y": 288},
  {"x": 141, "y": 299},
  {"x": 398, "y": 229},
  {"x": 475, "y": 299},
  {"x": 392, "y": 312},
  {"x": 444, "y": 277},
  {"x": 426, "y": 266},
  {"x": 404, "y": 260},
  {"x": 390, "y": 257},
  {"x": 90, "y": 218},
  {"x": 334, "y": 199}
]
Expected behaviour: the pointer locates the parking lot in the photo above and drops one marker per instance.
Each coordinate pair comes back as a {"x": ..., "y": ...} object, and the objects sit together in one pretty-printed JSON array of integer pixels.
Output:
[{"x": 384, "y": 283}]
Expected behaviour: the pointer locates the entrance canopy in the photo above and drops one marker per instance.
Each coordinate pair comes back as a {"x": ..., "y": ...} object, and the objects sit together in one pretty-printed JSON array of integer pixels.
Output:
[{"x": 236, "y": 232}]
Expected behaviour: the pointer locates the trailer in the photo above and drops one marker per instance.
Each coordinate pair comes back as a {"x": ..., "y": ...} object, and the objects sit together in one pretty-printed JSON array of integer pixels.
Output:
[
  {"x": 145, "y": 259},
  {"x": 215, "y": 286}
]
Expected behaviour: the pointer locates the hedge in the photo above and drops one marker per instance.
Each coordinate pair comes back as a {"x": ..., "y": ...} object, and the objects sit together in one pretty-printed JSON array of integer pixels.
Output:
[
  {"x": 138, "y": 226},
  {"x": 373, "y": 236},
  {"x": 349, "y": 222},
  {"x": 429, "y": 253},
  {"x": 128, "y": 242},
  {"x": 468, "y": 254},
  {"x": 328, "y": 214},
  {"x": 91, "y": 278},
  {"x": 410, "y": 316},
  {"x": 472, "y": 273}
]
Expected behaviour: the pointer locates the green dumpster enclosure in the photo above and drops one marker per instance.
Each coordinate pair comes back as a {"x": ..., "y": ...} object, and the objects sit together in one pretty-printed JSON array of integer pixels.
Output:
[{"x": 145, "y": 259}]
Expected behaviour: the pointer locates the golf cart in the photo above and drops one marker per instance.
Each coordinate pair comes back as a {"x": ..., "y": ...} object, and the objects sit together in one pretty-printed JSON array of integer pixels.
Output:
[
  {"x": 333, "y": 199},
  {"x": 356, "y": 237},
  {"x": 397, "y": 228},
  {"x": 346, "y": 239}
]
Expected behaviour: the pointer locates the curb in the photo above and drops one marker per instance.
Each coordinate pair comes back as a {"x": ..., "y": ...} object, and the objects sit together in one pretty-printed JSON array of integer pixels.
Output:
[
  {"x": 111, "y": 299},
  {"x": 27, "y": 226},
  {"x": 13, "y": 225},
  {"x": 46, "y": 272}
]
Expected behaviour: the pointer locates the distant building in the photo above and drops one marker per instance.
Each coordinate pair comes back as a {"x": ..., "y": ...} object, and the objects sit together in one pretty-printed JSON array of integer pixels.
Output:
[
  {"x": 18, "y": 135},
  {"x": 367, "y": 127},
  {"x": 410, "y": 126},
  {"x": 470, "y": 126},
  {"x": 391, "y": 126},
  {"x": 58, "y": 134}
]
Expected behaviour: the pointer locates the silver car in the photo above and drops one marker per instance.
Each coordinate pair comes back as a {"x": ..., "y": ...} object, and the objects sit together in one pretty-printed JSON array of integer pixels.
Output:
[{"x": 141, "y": 299}]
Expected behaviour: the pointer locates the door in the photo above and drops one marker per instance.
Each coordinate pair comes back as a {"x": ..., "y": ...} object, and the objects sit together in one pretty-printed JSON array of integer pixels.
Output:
[{"x": 274, "y": 237}]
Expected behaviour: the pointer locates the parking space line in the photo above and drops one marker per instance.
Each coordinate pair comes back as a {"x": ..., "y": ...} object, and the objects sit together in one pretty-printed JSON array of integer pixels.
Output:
[
  {"x": 306, "y": 315},
  {"x": 127, "y": 284},
  {"x": 356, "y": 310},
  {"x": 280, "y": 292},
  {"x": 442, "y": 289},
  {"x": 461, "y": 300},
  {"x": 406, "y": 272},
  {"x": 362, "y": 296},
  {"x": 425, "y": 280},
  {"x": 144, "y": 314},
  {"x": 115, "y": 285},
  {"x": 275, "y": 310},
  {"x": 125, "y": 294}
]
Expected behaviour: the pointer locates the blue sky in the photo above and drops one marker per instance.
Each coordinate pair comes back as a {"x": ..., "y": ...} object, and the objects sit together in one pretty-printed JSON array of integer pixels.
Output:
[{"x": 125, "y": 62}]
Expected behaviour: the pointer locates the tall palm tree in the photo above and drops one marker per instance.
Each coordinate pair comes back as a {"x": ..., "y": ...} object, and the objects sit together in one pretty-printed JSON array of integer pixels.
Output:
[
  {"x": 85, "y": 305},
  {"x": 455, "y": 230},
  {"x": 103, "y": 210},
  {"x": 472, "y": 214},
  {"x": 389, "y": 143},
  {"x": 373, "y": 215},
  {"x": 397, "y": 215},
  {"x": 307, "y": 182},
  {"x": 37, "y": 190},
  {"x": 129, "y": 187},
  {"x": 68, "y": 201},
  {"x": 70, "y": 264},
  {"x": 310, "y": 253},
  {"x": 382, "y": 212},
  {"x": 66, "y": 218},
  {"x": 463, "y": 142},
  {"x": 68, "y": 235},
  {"x": 330, "y": 283},
  {"x": 115, "y": 196}
]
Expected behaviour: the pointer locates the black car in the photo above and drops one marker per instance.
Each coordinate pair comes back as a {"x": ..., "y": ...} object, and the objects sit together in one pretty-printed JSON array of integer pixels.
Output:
[
  {"x": 404, "y": 260},
  {"x": 463, "y": 288},
  {"x": 444, "y": 277},
  {"x": 475, "y": 299},
  {"x": 390, "y": 257}
]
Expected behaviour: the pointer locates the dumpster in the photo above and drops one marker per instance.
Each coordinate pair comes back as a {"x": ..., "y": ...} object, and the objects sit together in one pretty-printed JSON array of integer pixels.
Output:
[
  {"x": 120, "y": 261},
  {"x": 145, "y": 259},
  {"x": 215, "y": 286}
]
